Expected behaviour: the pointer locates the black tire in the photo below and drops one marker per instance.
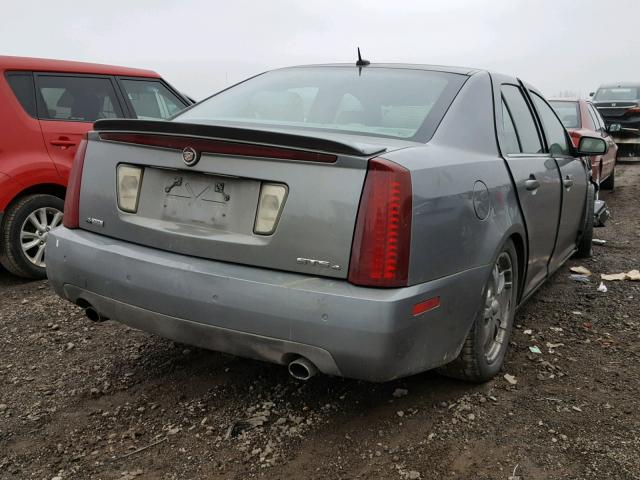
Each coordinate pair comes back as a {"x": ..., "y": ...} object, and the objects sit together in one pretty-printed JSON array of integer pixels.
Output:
[
  {"x": 585, "y": 248},
  {"x": 12, "y": 256},
  {"x": 472, "y": 363},
  {"x": 610, "y": 182}
]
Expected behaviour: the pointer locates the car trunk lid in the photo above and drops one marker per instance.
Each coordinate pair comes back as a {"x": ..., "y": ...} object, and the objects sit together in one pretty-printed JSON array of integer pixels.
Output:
[
  {"x": 614, "y": 109},
  {"x": 208, "y": 209}
]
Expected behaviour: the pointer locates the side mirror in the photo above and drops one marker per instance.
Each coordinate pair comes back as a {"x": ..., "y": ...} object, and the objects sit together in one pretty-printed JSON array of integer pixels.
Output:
[
  {"x": 591, "y": 94},
  {"x": 590, "y": 146}
]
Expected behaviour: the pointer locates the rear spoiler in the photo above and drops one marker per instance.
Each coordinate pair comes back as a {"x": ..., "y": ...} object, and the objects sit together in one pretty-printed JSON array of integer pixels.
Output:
[{"x": 217, "y": 132}]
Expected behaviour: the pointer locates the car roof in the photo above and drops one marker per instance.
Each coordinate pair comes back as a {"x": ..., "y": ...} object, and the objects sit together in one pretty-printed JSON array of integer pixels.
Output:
[
  {"x": 67, "y": 66},
  {"x": 409, "y": 66},
  {"x": 620, "y": 84}
]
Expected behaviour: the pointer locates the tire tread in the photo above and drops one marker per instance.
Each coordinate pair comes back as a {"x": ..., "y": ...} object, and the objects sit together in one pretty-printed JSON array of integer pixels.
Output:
[
  {"x": 9, "y": 252},
  {"x": 584, "y": 245},
  {"x": 467, "y": 365},
  {"x": 610, "y": 182}
]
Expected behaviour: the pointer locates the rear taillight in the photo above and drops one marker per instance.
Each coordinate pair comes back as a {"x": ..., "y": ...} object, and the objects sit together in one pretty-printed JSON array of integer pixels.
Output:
[
  {"x": 633, "y": 110},
  {"x": 382, "y": 238},
  {"x": 71, "y": 217}
]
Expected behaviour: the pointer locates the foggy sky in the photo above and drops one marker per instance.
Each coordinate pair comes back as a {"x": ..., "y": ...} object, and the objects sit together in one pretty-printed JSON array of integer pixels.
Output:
[{"x": 202, "y": 46}]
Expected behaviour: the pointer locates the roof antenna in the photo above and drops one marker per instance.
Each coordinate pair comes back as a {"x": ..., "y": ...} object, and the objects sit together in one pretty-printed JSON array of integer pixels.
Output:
[{"x": 361, "y": 62}]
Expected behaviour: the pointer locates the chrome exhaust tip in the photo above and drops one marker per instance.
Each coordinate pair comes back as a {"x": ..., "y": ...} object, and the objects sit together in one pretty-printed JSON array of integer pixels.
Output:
[
  {"x": 302, "y": 369},
  {"x": 93, "y": 315},
  {"x": 90, "y": 312}
]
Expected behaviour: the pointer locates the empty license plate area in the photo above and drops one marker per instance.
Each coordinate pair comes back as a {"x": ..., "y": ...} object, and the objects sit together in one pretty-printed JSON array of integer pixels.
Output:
[{"x": 202, "y": 200}]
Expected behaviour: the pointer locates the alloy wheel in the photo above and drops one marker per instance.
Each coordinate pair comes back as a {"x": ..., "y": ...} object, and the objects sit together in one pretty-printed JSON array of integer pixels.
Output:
[
  {"x": 498, "y": 307},
  {"x": 34, "y": 233}
]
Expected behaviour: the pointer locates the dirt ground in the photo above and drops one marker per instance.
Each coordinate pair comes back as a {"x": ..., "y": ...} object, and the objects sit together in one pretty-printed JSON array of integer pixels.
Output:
[{"x": 81, "y": 400}]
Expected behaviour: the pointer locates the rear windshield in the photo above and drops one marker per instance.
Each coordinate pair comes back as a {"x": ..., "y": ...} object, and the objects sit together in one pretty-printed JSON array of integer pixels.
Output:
[
  {"x": 386, "y": 102},
  {"x": 616, "y": 94},
  {"x": 568, "y": 113}
]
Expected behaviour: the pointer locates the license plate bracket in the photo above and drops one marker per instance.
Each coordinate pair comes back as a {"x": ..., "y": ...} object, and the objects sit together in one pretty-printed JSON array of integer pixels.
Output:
[{"x": 199, "y": 199}]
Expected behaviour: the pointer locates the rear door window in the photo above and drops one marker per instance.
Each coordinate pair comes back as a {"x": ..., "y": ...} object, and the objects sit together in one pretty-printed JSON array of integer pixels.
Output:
[
  {"x": 150, "y": 99},
  {"x": 553, "y": 128},
  {"x": 76, "y": 98},
  {"x": 21, "y": 84},
  {"x": 522, "y": 118}
]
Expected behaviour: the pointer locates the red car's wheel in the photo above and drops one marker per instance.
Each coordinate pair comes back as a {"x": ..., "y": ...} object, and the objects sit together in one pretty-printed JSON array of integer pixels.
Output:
[{"x": 25, "y": 231}]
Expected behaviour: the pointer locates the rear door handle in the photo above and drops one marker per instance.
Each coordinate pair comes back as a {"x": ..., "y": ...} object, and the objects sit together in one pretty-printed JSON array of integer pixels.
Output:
[
  {"x": 568, "y": 182},
  {"x": 532, "y": 184},
  {"x": 63, "y": 142}
]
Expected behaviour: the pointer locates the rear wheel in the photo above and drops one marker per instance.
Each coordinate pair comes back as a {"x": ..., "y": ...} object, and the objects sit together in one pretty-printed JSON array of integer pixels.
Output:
[
  {"x": 25, "y": 230},
  {"x": 484, "y": 349},
  {"x": 586, "y": 236},
  {"x": 610, "y": 182}
]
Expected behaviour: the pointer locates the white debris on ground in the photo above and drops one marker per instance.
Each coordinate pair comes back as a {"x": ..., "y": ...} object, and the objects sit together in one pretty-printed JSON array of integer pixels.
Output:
[
  {"x": 633, "y": 275},
  {"x": 581, "y": 270}
]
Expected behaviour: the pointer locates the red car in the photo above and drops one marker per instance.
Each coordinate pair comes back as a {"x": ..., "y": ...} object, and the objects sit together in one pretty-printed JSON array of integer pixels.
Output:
[
  {"x": 581, "y": 118},
  {"x": 46, "y": 107}
]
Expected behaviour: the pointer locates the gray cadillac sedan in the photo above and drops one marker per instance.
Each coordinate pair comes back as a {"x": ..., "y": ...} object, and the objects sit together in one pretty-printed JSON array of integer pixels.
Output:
[{"x": 368, "y": 221}]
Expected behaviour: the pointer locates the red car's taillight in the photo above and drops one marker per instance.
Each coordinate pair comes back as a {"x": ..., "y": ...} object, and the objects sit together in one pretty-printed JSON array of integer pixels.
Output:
[
  {"x": 71, "y": 217},
  {"x": 633, "y": 110},
  {"x": 382, "y": 239}
]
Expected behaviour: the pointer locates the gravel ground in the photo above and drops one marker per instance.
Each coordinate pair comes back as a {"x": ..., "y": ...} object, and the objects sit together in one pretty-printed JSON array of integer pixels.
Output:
[{"x": 81, "y": 400}]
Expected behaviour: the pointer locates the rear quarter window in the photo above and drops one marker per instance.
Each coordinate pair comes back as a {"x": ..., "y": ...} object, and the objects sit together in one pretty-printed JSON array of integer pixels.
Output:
[
  {"x": 21, "y": 84},
  {"x": 511, "y": 142},
  {"x": 150, "y": 99}
]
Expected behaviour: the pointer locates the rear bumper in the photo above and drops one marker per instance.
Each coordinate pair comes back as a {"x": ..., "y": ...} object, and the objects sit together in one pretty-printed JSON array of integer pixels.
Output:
[
  {"x": 626, "y": 140},
  {"x": 345, "y": 330}
]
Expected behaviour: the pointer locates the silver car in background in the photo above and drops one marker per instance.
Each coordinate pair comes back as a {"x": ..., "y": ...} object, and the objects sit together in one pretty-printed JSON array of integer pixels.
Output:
[{"x": 368, "y": 221}]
